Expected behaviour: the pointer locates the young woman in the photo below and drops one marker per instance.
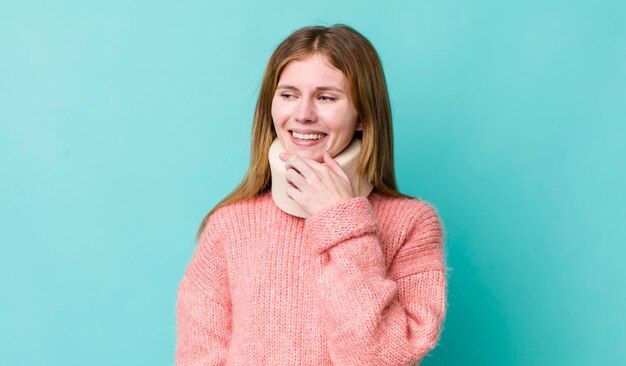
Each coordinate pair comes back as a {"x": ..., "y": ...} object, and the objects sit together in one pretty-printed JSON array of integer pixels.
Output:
[{"x": 316, "y": 258}]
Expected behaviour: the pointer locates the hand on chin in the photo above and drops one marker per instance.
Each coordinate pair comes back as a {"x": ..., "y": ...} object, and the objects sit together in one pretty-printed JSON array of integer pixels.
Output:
[{"x": 315, "y": 185}]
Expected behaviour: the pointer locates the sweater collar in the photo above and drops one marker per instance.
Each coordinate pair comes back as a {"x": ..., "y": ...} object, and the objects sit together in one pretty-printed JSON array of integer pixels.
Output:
[{"x": 347, "y": 159}]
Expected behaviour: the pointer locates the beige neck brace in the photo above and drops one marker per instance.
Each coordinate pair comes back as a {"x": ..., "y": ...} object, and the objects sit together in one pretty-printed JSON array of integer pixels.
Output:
[{"x": 347, "y": 160}]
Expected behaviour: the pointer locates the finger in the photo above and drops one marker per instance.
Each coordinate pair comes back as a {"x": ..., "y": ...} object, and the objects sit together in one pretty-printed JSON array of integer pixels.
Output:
[
  {"x": 337, "y": 175},
  {"x": 284, "y": 156},
  {"x": 294, "y": 193},
  {"x": 333, "y": 165},
  {"x": 301, "y": 166},
  {"x": 293, "y": 177},
  {"x": 322, "y": 171}
]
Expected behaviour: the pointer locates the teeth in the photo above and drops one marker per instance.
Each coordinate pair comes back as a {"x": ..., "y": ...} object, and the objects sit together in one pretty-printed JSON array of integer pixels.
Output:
[{"x": 308, "y": 136}]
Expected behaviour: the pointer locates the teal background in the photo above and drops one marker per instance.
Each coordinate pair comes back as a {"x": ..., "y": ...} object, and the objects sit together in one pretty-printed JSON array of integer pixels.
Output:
[{"x": 122, "y": 124}]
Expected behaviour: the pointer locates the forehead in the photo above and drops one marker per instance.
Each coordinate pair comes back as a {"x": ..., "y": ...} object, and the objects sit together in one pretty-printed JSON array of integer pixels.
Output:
[{"x": 312, "y": 70}]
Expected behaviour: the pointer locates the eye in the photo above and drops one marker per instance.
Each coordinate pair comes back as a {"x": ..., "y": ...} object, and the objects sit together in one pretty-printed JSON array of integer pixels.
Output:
[
  {"x": 286, "y": 96},
  {"x": 327, "y": 98}
]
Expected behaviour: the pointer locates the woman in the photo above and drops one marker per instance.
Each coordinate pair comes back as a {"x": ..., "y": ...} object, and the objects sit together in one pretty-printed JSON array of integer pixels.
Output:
[{"x": 316, "y": 258}]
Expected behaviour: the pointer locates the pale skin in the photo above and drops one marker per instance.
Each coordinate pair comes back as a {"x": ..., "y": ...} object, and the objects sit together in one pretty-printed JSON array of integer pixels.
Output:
[
  {"x": 312, "y": 97},
  {"x": 315, "y": 186}
]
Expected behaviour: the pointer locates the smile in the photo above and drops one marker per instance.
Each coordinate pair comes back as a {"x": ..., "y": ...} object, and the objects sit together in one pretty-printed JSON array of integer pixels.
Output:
[
  {"x": 307, "y": 139},
  {"x": 307, "y": 136}
]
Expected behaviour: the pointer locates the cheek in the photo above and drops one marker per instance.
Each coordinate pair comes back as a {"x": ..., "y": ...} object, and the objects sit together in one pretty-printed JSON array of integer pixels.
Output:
[
  {"x": 278, "y": 114},
  {"x": 273, "y": 111},
  {"x": 342, "y": 120}
]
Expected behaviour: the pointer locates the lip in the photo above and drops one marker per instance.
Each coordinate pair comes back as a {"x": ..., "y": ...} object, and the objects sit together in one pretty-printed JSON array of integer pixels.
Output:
[
  {"x": 306, "y": 131},
  {"x": 307, "y": 143}
]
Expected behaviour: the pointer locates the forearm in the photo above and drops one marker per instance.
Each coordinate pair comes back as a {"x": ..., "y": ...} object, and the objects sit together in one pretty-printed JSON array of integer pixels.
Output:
[
  {"x": 203, "y": 309},
  {"x": 203, "y": 328},
  {"x": 372, "y": 318}
]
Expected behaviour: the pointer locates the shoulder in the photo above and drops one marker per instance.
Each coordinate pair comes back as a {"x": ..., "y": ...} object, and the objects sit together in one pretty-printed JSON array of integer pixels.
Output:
[
  {"x": 411, "y": 211},
  {"x": 415, "y": 231},
  {"x": 233, "y": 216},
  {"x": 408, "y": 220}
]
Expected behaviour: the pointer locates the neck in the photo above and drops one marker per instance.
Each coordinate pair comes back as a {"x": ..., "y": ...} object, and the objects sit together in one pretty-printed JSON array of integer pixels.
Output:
[{"x": 347, "y": 159}]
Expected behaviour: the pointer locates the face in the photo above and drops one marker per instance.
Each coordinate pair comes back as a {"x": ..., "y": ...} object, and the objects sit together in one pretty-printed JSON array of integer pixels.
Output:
[{"x": 312, "y": 110}]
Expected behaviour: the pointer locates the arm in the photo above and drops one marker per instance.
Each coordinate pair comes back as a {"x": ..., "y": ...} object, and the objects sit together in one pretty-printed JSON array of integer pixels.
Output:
[
  {"x": 373, "y": 317},
  {"x": 203, "y": 310}
]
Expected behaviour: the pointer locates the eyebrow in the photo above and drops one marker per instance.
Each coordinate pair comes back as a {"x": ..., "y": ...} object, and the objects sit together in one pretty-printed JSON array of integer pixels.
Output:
[{"x": 319, "y": 88}]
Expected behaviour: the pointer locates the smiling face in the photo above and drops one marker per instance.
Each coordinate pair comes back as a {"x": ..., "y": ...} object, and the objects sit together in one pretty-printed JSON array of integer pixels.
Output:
[{"x": 312, "y": 110}]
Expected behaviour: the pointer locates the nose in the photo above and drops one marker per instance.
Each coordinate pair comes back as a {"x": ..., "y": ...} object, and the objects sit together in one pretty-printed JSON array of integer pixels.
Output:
[{"x": 305, "y": 111}]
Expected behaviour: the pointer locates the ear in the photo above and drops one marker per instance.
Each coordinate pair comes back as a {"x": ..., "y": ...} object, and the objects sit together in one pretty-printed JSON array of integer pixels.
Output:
[{"x": 359, "y": 126}]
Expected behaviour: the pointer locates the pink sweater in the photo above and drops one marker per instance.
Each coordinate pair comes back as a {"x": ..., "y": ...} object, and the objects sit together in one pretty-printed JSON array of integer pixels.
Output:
[{"x": 362, "y": 282}]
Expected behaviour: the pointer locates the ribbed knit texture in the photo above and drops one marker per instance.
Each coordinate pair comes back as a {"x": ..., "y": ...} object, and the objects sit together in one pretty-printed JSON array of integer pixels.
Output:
[{"x": 362, "y": 282}]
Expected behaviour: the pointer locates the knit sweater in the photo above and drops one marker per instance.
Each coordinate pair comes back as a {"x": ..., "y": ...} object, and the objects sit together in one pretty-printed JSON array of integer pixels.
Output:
[{"x": 362, "y": 282}]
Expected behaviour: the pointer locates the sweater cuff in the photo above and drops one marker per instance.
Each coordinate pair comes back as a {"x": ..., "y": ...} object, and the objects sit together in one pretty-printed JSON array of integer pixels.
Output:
[{"x": 345, "y": 220}]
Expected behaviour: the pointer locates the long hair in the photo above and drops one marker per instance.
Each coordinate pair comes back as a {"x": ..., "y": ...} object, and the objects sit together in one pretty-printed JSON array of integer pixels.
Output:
[{"x": 354, "y": 55}]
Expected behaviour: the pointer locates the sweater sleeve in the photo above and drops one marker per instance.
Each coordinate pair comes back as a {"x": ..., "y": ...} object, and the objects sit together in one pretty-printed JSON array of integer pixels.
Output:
[
  {"x": 203, "y": 309},
  {"x": 374, "y": 316}
]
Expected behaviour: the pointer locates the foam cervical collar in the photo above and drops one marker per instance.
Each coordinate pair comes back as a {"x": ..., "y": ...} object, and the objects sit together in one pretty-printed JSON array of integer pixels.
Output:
[{"x": 347, "y": 160}]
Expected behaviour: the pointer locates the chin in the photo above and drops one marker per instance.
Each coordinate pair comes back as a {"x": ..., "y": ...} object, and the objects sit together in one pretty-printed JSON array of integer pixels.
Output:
[
  {"x": 313, "y": 155},
  {"x": 317, "y": 157}
]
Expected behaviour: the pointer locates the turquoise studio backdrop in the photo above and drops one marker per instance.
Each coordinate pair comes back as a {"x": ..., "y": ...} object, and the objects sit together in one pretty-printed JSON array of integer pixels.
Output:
[{"x": 122, "y": 123}]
